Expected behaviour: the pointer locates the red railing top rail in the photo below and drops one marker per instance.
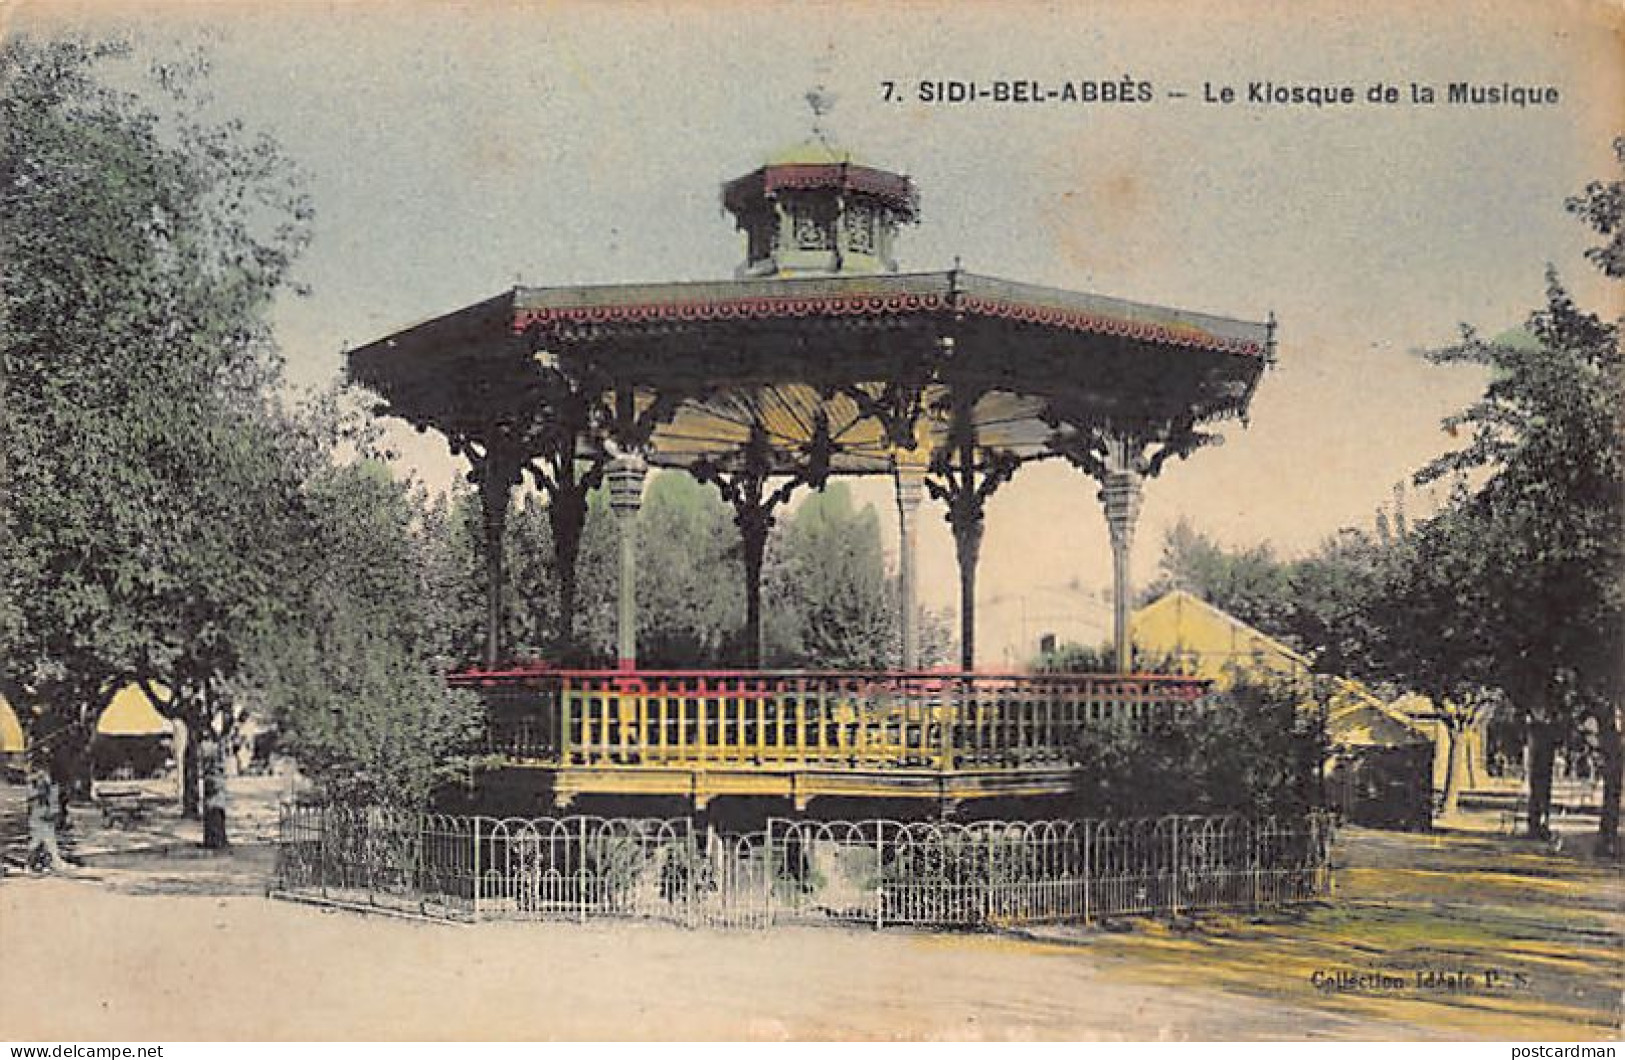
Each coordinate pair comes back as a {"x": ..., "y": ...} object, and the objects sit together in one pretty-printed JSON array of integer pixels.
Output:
[{"x": 526, "y": 673}]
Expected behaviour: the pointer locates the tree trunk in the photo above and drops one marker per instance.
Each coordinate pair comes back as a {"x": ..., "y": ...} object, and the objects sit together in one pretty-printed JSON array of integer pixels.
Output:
[
  {"x": 56, "y": 749},
  {"x": 45, "y": 813},
  {"x": 74, "y": 771},
  {"x": 1456, "y": 768},
  {"x": 1542, "y": 758},
  {"x": 1613, "y": 771},
  {"x": 212, "y": 759},
  {"x": 190, "y": 808},
  {"x": 180, "y": 736}
]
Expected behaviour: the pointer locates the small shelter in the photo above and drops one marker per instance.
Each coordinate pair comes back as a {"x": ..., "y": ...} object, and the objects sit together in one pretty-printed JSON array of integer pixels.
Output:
[{"x": 132, "y": 740}]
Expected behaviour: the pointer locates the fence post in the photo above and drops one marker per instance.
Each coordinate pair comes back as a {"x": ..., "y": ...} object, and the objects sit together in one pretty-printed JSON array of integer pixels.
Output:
[
  {"x": 993, "y": 881},
  {"x": 321, "y": 848},
  {"x": 880, "y": 874},
  {"x": 1088, "y": 828},
  {"x": 1173, "y": 900},
  {"x": 684, "y": 852},
  {"x": 477, "y": 871},
  {"x": 767, "y": 876},
  {"x": 416, "y": 872},
  {"x": 582, "y": 879},
  {"x": 1253, "y": 833}
]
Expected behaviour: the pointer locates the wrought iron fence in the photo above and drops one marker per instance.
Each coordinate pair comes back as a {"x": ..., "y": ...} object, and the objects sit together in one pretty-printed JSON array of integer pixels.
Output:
[{"x": 874, "y": 872}]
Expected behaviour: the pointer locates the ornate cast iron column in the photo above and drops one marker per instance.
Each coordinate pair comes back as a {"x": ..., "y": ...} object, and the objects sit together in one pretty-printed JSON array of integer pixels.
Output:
[
  {"x": 567, "y": 472},
  {"x": 1121, "y": 492},
  {"x": 625, "y": 475},
  {"x": 1121, "y": 458},
  {"x": 965, "y": 518},
  {"x": 567, "y": 478},
  {"x": 628, "y": 430},
  {"x": 964, "y": 475},
  {"x": 496, "y": 471},
  {"x": 910, "y": 484},
  {"x": 744, "y": 487}
]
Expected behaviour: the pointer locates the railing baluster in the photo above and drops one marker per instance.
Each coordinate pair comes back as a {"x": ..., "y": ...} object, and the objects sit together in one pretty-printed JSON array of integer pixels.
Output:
[
  {"x": 628, "y": 704},
  {"x": 681, "y": 704},
  {"x": 779, "y": 721},
  {"x": 802, "y": 713}
]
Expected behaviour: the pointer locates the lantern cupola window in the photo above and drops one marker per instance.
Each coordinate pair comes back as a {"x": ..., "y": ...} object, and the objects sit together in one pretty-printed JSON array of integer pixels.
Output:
[{"x": 815, "y": 211}]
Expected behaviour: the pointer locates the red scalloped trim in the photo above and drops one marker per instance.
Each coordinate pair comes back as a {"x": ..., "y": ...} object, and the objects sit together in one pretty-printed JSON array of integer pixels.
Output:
[
  {"x": 1077, "y": 320},
  {"x": 892, "y": 188},
  {"x": 879, "y": 305},
  {"x": 733, "y": 309}
]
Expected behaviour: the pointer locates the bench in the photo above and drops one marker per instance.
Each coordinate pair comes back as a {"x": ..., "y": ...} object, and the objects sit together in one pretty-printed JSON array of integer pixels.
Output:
[{"x": 124, "y": 809}]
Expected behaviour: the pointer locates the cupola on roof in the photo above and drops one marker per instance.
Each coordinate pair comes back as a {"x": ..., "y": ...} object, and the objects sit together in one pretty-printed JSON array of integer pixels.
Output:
[{"x": 813, "y": 209}]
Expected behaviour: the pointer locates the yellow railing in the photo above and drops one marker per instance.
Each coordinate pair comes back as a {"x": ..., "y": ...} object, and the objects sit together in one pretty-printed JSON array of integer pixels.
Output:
[{"x": 792, "y": 719}]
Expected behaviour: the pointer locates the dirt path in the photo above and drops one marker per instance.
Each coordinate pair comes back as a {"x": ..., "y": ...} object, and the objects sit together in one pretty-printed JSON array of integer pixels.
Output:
[
  {"x": 1473, "y": 934},
  {"x": 118, "y": 965},
  {"x": 168, "y": 942}
]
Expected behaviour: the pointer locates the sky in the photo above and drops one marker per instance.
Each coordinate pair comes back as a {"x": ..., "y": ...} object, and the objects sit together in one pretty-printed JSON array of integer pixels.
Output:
[{"x": 453, "y": 150}]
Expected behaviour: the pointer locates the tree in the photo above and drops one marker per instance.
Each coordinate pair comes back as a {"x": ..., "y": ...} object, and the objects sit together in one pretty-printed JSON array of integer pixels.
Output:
[
  {"x": 1602, "y": 206},
  {"x": 1541, "y": 545},
  {"x": 1333, "y": 593},
  {"x": 829, "y": 604},
  {"x": 690, "y": 576},
  {"x": 1251, "y": 583},
  {"x": 1429, "y": 620},
  {"x": 1319, "y": 605},
  {"x": 212, "y": 577},
  {"x": 142, "y": 248},
  {"x": 355, "y": 682},
  {"x": 1252, "y": 751}
]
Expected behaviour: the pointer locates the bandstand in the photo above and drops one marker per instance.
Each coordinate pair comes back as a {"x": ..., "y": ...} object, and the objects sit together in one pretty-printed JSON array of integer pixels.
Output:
[{"x": 818, "y": 359}]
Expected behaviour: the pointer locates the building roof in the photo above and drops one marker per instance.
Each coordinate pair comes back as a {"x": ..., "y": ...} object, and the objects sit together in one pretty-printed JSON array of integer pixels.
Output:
[
  {"x": 880, "y": 295},
  {"x": 11, "y": 730},
  {"x": 1212, "y": 643},
  {"x": 792, "y": 352},
  {"x": 1213, "y": 640},
  {"x": 131, "y": 713},
  {"x": 816, "y": 164}
]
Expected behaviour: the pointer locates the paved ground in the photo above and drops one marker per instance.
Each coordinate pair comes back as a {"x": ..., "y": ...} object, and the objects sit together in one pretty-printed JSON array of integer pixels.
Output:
[{"x": 163, "y": 941}]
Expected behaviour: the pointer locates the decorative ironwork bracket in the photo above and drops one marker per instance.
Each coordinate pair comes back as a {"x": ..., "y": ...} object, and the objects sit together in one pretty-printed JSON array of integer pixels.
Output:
[{"x": 744, "y": 487}]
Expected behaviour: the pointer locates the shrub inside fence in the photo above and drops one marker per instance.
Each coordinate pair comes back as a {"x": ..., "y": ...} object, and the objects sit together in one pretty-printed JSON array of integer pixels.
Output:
[{"x": 878, "y": 871}]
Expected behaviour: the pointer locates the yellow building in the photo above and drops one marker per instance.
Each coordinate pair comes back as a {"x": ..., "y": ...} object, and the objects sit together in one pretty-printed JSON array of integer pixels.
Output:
[
  {"x": 11, "y": 733},
  {"x": 131, "y": 713},
  {"x": 1382, "y": 765}
]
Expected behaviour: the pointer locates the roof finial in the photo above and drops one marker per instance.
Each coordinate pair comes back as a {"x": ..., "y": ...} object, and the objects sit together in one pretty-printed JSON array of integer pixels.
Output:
[{"x": 820, "y": 101}]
